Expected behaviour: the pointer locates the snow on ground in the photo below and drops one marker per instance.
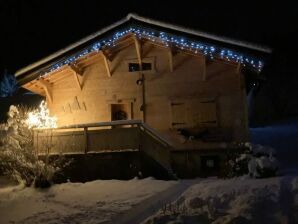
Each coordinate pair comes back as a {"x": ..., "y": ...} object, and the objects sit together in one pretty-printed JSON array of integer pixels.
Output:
[
  {"x": 238, "y": 200},
  {"x": 241, "y": 200},
  {"x": 91, "y": 202},
  {"x": 210, "y": 200}
]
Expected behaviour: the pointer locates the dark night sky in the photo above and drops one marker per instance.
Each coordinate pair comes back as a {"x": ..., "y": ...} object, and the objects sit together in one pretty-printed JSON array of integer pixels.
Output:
[{"x": 32, "y": 29}]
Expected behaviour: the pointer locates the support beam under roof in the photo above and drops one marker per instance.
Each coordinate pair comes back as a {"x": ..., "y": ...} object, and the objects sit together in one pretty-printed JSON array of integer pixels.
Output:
[
  {"x": 238, "y": 68},
  {"x": 204, "y": 68},
  {"x": 171, "y": 62},
  {"x": 106, "y": 63},
  {"x": 76, "y": 69},
  {"x": 139, "y": 51},
  {"x": 47, "y": 88},
  {"x": 77, "y": 80}
]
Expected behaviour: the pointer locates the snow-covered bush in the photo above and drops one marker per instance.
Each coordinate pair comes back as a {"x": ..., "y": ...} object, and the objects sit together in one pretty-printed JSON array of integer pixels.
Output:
[
  {"x": 255, "y": 160},
  {"x": 17, "y": 156}
]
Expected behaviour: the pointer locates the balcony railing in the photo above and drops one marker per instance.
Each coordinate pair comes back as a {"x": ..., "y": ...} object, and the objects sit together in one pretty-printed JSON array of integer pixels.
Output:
[{"x": 124, "y": 135}]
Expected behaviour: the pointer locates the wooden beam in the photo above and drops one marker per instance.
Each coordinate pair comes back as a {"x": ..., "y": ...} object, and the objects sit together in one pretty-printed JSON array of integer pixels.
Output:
[
  {"x": 75, "y": 75},
  {"x": 105, "y": 60},
  {"x": 86, "y": 139},
  {"x": 238, "y": 68},
  {"x": 139, "y": 51},
  {"x": 171, "y": 64},
  {"x": 111, "y": 51},
  {"x": 204, "y": 68},
  {"x": 76, "y": 69},
  {"x": 108, "y": 53},
  {"x": 47, "y": 88}
]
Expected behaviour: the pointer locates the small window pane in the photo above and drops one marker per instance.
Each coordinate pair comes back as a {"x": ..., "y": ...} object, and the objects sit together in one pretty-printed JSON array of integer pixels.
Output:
[
  {"x": 146, "y": 66},
  {"x": 133, "y": 67}
]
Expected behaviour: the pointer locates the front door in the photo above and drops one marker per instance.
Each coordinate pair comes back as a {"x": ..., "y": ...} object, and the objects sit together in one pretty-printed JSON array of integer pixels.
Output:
[{"x": 120, "y": 111}]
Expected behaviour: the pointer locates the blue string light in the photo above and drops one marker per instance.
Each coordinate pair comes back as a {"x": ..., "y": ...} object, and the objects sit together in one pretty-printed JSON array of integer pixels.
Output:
[{"x": 167, "y": 39}]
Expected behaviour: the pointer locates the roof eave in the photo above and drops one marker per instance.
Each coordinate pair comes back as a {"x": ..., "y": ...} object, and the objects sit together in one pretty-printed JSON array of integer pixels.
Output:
[
  {"x": 214, "y": 37},
  {"x": 29, "y": 70}
]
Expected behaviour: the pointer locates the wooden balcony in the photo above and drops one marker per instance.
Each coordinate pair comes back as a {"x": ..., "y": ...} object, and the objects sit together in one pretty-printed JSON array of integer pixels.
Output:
[{"x": 114, "y": 136}]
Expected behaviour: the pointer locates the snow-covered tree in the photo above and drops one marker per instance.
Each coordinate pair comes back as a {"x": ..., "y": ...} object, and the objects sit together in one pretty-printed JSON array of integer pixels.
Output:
[
  {"x": 255, "y": 160},
  {"x": 17, "y": 156},
  {"x": 8, "y": 85}
]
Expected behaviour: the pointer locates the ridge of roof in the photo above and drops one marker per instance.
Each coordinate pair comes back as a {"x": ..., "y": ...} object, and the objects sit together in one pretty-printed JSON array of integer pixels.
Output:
[
  {"x": 134, "y": 16},
  {"x": 207, "y": 35}
]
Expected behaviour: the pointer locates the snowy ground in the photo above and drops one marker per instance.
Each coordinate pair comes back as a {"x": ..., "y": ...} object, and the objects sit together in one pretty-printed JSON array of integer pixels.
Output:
[
  {"x": 240, "y": 200},
  {"x": 273, "y": 200},
  {"x": 149, "y": 201},
  {"x": 91, "y": 202}
]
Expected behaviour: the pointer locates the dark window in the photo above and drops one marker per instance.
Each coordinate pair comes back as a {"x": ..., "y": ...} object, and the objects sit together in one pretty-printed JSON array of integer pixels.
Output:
[
  {"x": 133, "y": 67},
  {"x": 119, "y": 112},
  {"x": 210, "y": 164}
]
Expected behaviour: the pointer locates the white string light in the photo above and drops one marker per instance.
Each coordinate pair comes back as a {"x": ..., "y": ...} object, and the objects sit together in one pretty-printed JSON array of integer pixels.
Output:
[{"x": 182, "y": 43}]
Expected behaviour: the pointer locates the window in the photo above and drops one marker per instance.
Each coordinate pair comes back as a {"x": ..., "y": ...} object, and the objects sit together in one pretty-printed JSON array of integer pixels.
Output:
[
  {"x": 210, "y": 163},
  {"x": 133, "y": 67},
  {"x": 208, "y": 113},
  {"x": 178, "y": 114}
]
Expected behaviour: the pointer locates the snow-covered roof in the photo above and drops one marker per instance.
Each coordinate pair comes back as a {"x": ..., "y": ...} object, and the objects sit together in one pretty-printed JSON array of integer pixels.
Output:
[{"x": 149, "y": 21}]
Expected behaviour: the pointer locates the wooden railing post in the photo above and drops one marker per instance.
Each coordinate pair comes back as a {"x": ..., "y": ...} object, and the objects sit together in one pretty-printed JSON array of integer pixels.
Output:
[{"x": 86, "y": 139}]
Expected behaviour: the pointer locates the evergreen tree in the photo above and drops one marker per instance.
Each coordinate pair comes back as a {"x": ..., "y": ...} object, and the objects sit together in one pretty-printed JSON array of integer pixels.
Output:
[{"x": 8, "y": 85}]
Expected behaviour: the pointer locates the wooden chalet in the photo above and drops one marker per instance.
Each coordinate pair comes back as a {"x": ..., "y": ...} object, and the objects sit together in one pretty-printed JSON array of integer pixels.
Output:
[{"x": 176, "y": 94}]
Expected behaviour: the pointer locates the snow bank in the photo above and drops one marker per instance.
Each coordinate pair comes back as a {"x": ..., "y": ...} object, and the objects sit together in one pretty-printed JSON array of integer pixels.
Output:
[
  {"x": 91, "y": 202},
  {"x": 241, "y": 200}
]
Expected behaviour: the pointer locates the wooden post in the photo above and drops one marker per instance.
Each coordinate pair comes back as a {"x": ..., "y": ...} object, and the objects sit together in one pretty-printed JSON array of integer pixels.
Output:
[
  {"x": 139, "y": 55},
  {"x": 139, "y": 51},
  {"x": 170, "y": 53},
  {"x": 204, "y": 68},
  {"x": 143, "y": 97},
  {"x": 239, "y": 68},
  {"x": 86, "y": 139}
]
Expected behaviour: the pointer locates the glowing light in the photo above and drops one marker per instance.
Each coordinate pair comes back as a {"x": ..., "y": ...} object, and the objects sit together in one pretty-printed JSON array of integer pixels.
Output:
[
  {"x": 40, "y": 118},
  {"x": 166, "y": 38}
]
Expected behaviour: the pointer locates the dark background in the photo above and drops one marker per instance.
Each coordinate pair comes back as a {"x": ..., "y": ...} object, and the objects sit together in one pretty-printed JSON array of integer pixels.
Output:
[{"x": 33, "y": 29}]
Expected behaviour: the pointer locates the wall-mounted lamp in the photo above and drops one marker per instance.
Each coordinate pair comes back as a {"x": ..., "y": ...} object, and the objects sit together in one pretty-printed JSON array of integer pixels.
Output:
[{"x": 140, "y": 82}]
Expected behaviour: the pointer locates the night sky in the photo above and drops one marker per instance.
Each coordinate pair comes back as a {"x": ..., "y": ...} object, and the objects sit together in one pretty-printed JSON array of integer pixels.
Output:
[{"x": 34, "y": 29}]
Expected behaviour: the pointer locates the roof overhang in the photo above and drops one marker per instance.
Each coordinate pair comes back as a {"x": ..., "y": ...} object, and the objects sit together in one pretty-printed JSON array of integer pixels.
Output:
[{"x": 184, "y": 38}]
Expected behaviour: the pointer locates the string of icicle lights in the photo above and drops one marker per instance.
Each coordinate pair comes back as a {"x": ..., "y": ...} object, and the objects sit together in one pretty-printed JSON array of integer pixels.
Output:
[{"x": 167, "y": 39}]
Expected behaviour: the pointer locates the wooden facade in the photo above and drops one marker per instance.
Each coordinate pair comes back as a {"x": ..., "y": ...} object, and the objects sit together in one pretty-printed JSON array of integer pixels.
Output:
[
  {"x": 181, "y": 90},
  {"x": 168, "y": 88}
]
